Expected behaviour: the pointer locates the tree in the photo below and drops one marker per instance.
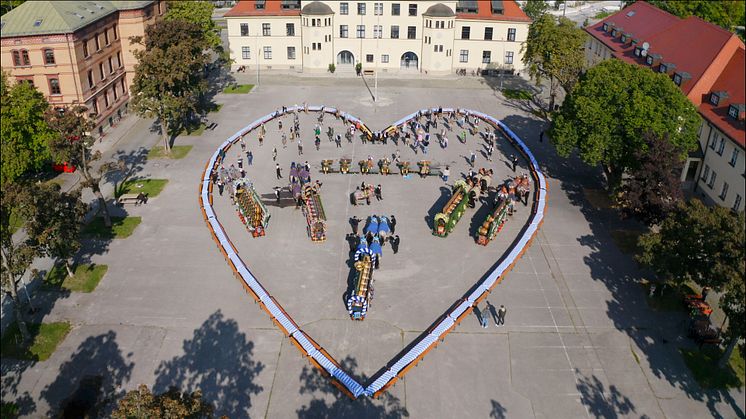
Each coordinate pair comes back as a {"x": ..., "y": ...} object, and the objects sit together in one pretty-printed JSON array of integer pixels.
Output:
[
  {"x": 16, "y": 256},
  {"x": 56, "y": 222},
  {"x": 169, "y": 78},
  {"x": 142, "y": 403},
  {"x": 199, "y": 13},
  {"x": 554, "y": 52},
  {"x": 725, "y": 13},
  {"x": 73, "y": 143},
  {"x": 697, "y": 243},
  {"x": 653, "y": 189},
  {"x": 535, "y": 8},
  {"x": 8, "y": 5},
  {"x": 614, "y": 103},
  {"x": 23, "y": 132},
  {"x": 733, "y": 303}
]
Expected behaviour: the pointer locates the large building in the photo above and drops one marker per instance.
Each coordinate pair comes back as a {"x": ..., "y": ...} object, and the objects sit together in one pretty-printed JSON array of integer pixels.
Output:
[
  {"x": 387, "y": 36},
  {"x": 707, "y": 63},
  {"x": 77, "y": 52}
]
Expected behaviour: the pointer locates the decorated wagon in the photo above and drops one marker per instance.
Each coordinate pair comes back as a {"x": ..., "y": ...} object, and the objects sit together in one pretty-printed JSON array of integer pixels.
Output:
[
  {"x": 314, "y": 212},
  {"x": 446, "y": 220},
  {"x": 326, "y": 166},
  {"x": 424, "y": 167},
  {"x": 250, "y": 208},
  {"x": 494, "y": 221},
  {"x": 362, "y": 293},
  {"x": 344, "y": 165}
]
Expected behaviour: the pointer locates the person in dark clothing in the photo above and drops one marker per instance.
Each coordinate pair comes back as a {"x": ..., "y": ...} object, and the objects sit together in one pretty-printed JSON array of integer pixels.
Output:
[
  {"x": 392, "y": 223},
  {"x": 515, "y": 162},
  {"x": 354, "y": 222},
  {"x": 278, "y": 170},
  {"x": 220, "y": 187},
  {"x": 379, "y": 193},
  {"x": 395, "y": 243}
]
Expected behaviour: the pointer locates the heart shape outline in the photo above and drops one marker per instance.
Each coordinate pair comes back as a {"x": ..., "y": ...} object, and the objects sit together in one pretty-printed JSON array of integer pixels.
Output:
[{"x": 397, "y": 367}]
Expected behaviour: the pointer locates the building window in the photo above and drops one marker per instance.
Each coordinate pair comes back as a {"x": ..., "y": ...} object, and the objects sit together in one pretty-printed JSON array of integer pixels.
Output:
[
  {"x": 378, "y": 9},
  {"x": 733, "y": 111},
  {"x": 508, "y": 57},
  {"x": 291, "y": 53},
  {"x": 54, "y": 86},
  {"x": 662, "y": 68},
  {"x": 343, "y": 31},
  {"x": 411, "y": 32},
  {"x": 714, "y": 98},
  {"x": 114, "y": 32},
  {"x": 106, "y": 37},
  {"x": 85, "y": 49},
  {"x": 106, "y": 98},
  {"x": 90, "y": 79},
  {"x": 706, "y": 173},
  {"x": 98, "y": 44},
  {"x": 412, "y": 9},
  {"x": 25, "y": 60},
  {"x": 361, "y": 31},
  {"x": 16, "y": 58},
  {"x": 724, "y": 191},
  {"x": 463, "y": 56},
  {"x": 124, "y": 87},
  {"x": 377, "y": 31},
  {"x": 623, "y": 39},
  {"x": 384, "y": 58},
  {"x": 713, "y": 176},
  {"x": 114, "y": 90},
  {"x": 267, "y": 53},
  {"x": 290, "y": 29},
  {"x": 465, "y": 32},
  {"x": 265, "y": 29},
  {"x": 649, "y": 60},
  {"x": 721, "y": 146},
  {"x": 48, "y": 57},
  {"x": 111, "y": 64},
  {"x": 395, "y": 9},
  {"x": 361, "y": 9},
  {"x": 511, "y": 34},
  {"x": 737, "y": 203},
  {"x": 638, "y": 51},
  {"x": 244, "y": 29},
  {"x": 369, "y": 58},
  {"x": 344, "y": 8},
  {"x": 101, "y": 70},
  {"x": 486, "y": 57},
  {"x": 395, "y": 32},
  {"x": 677, "y": 79},
  {"x": 487, "y": 34},
  {"x": 246, "y": 53},
  {"x": 94, "y": 106},
  {"x": 313, "y": 22},
  {"x": 119, "y": 59}
]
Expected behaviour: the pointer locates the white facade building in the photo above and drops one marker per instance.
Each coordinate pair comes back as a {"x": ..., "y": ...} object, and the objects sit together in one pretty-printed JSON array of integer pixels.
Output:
[{"x": 390, "y": 36}]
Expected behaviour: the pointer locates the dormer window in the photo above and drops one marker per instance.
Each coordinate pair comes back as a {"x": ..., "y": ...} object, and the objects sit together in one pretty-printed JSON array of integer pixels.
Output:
[
  {"x": 733, "y": 111},
  {"x": 259, "y": 4},
  {"x": 677, "y": 79},
  {"x": 638, "y": 51},
  {"x": 606, "y": 27},
  {"x": 649, "y": 60},
  {"x": 623, "y": 38},
  {"x": 663, "y": 68},
  {"x": 714, "y": 98},
  {"x": 614, "y": 32}
]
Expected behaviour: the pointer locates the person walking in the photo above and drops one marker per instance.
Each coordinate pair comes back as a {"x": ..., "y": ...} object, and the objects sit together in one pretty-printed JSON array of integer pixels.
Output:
[
  {"x": 317, "y": 141},
  {"x": 473, "y": 158},
  {"x": 490, "y": 149},
  {"x": 395, "y": 243},
  {"x": 501, "y": 315},
  {"x": 284, "y": 140},
  {"x": 221, "y": 185},
  {"x": 278, "y": 170},
  {"x": 277, "y": 194},
  {"x": 446, "y": 173},
  {"x": 392, "y": 223},
  {"x": 280, "y": 124},
  {"x": 300, "y": 147},
  {"x": 249, "y": 158},
  {"x": 379, "y": 193},
  {"x": 261, "y": 140},
  {"x": 338, "y": 141},
  {"x": 274, "y": 154},
  {"x": 515, "y": 162},
  {"x": 483, "y": 318},
  {"x": 243, "y": 144},
  {"x": 240, "y": 161}
]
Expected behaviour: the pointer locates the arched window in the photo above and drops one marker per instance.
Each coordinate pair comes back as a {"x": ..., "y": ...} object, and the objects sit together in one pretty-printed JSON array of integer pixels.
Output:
[{"x": 48, "y": 56}]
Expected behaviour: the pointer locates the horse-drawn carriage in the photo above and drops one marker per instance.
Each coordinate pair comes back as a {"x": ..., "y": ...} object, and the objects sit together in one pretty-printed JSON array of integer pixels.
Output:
[
  {"x": 384, "y": 165},
  {"x": 326, "y": 166},
  {"x": 250, "y": 208},
  {"x": 424, "y": 168},
  {"x": 520, "y": 188},
  {"x": 362, "y": 293},
  {"x": 446, "y": 220},
  {"x": 314, "y": 212},
  {"x": 365, "y": 166},
  {"x": 344, "y": 165},
  {"x": 363, "y": 195},
  {"x": 403, "y": 168}
]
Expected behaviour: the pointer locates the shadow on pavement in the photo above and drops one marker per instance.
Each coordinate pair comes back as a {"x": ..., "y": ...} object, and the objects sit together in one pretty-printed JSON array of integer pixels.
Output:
[
  {"x": 498, "y": 410},
  {"x": 218, "y": 361},
  {"x": 602, "y": 402},
  {"x": 328, "y": 402}
]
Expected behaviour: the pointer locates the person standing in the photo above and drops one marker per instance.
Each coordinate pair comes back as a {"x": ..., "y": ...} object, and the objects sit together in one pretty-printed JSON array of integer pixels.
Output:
[
  {"x": 339, "y": 141},
  {"x": 490, "y": 149},
  {"x": 317, "y": 141},
  {"x": 483, "y": 318},
  {"x": 261, "y": 140},
  {"x": 354, "y": 223},
  {"x": 274, "y": 154},
  {"x": 300, "y": 147},
  {"x": 277, "y": 194},
  {"x": 240, "y": 161},
  {"x": 243, "y": 144},
  {"x": 284, "y": 140},
  {"x": 278, "y": 170},
  {"x": 501, "y": 312},
  {"x": 392, "y": 220},
  {"x": 473, "y": 158},
  {"x": 379, "y": 193},
  {"x": 249, "y": 158},
  {"x": 446, "y": 173},
  {"x": 395, "y": 244},
  {"x": 221, "y": 185},
  {"x": 515, "y": 162}
]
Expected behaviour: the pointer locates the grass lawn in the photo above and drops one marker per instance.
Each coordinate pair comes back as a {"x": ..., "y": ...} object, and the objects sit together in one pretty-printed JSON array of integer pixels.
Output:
[
  {"x": 8, "y": 410},
  {"x": 120, "y": 228},
  {"x": 598, "y": 198},
  {"x": 44, "y": 340},
  {"x": 703, "y": 365},
  {"x": 86, "y": 277},
  {"x": 177, "y": 152},
  {"x": 626, "y": 240},
  {"x": 517, "y": 94},
  {"x": 194, "y": 131},
  {"x": 672, "y": 298},
  {"x": 602, "y": 14},
  {"x": 151, "y": 187},
  {"x": 238, "y": 88}
]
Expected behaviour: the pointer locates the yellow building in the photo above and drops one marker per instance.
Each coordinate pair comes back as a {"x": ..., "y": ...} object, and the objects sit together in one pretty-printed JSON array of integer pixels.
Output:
[
  {"x": 430, "y": 37},
  {"x": 77, "y": 52}
]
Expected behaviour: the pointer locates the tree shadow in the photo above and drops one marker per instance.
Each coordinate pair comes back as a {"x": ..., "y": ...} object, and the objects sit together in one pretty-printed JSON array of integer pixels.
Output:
[
  {"x": 91, "y": 378},
  {"x": 498, "y": 410},
  {"x": 11, "y": 378},
  {"x": 124, "y": 166},
  {"x": 602, "y": 402},
  {"x": 328, "y": 402},
  {"x": 218, "y": 362},
  {"x": 534, "y": 105}
]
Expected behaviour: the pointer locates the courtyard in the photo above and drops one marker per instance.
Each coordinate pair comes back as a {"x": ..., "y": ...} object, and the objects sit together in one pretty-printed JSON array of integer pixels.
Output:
[{"x": 579, "y": 339}]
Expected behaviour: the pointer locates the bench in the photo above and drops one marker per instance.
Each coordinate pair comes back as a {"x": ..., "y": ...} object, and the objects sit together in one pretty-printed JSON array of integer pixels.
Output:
[
  {"x": 129, "y": 198},
  {"x": 369, "y": 72}
]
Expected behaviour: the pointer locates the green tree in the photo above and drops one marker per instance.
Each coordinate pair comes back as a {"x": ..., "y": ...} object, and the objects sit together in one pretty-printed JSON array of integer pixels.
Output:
[
  {"x": 614, "y": 103},
  {"x": 652, "y": 188},
  {"x": 23, "y": 132},
  {"x": 73, "y": 143},
  {"x": 725, "y": 13},
  {"x": 535, "y": 8},
  {"x": 8, "y": 5},
  {"x": 170, "y": 82},
  {"x": 696, "y": 243},
  {"x": 199, "y": 13},
  {"x": 733, "y": 303},
  {"x": 56, "y": 222},
  {"x": 554, "y": 52},
  {"x": 142, "y": 404}
]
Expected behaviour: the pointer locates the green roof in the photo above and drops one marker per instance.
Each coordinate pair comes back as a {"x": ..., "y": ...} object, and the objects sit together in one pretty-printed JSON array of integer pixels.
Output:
[{"x": 55, "y": 17}]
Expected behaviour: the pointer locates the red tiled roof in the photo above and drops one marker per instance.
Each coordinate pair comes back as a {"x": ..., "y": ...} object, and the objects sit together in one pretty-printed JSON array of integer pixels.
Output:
[
  {"x": 512, "y": 12},
  {"x": 731, "y": 80},
  {"x": 694, "y": 46},
  {"x": 271, "y": 8}
]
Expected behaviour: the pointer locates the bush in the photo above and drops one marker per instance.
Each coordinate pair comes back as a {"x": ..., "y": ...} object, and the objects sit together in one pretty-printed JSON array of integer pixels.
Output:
[{"x": 332, "y": 68}]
